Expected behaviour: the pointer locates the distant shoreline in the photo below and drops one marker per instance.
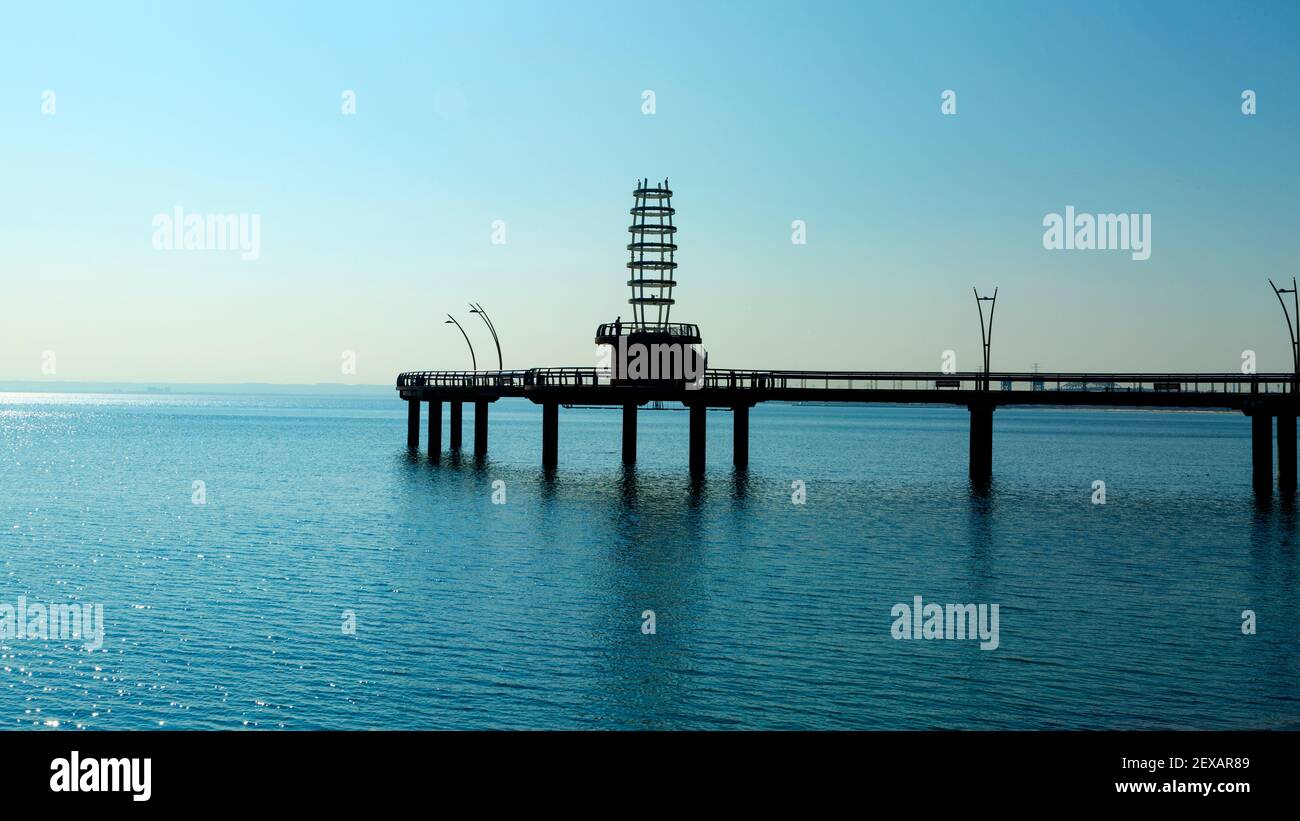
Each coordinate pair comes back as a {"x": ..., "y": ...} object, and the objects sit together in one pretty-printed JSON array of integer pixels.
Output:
[{"x": 196, "y": 388}]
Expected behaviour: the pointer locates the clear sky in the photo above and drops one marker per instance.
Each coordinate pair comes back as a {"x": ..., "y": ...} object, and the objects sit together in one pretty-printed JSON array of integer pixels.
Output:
[{"x": 375, "y": 225}]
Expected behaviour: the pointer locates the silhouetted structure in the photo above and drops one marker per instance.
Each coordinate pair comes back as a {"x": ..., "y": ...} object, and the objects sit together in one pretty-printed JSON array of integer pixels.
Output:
[
  {"x": 653, "y": 249},
  {"x": 1260, "y": 396},
  {"x": 475, "y": 308},
  {"x": 652, "y": 268}
]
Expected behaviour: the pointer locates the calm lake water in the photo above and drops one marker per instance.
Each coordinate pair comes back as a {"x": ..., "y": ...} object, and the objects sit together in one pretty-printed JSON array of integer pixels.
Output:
[{"x": 768, "y": 614}]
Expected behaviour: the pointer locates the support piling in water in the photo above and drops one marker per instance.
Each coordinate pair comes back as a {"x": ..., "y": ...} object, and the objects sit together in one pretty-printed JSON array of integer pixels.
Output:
[
  {"x": 740, "y": 436},
  {"x": 1286, "y": 453},
  {"x": 981, "y": 442},
  {"x": 550, "y": 434},
  {"x": 435, "y": 429},
  {"x": 413, "y": 424},
  {"x": 1261, "y": 452},
  {"x": 698, "y": 424},
  {"x": 480, "y": 427},
  {"x": 629, "y": 433},
  {"x": 455, "y": 424}
]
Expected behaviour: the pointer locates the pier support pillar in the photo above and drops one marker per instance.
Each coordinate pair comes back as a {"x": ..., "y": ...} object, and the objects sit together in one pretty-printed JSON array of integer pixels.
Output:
[
  {"x": 480, "y": 427},
  {"x": 740, "y": 436},
  {"x": 1286, "y": 462},
  {"x": 413, "y": 424},
  {"x": 1261, "y": 452},
  {"x": 435, "y": 429},
  {"x": 699, "y": 414},
  {"x": 981, "y": 442},
  {"x": 629, "y": 433},
  {"x": 550, "y": 434},
  {"x": 454, "y": 424}
]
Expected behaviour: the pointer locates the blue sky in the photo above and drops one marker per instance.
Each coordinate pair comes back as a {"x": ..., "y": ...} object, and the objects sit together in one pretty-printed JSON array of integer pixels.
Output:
[{"x": 374, "y": 226}]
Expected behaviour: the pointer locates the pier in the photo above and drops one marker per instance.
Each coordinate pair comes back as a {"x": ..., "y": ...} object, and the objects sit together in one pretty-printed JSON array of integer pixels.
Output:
[
  {"x": 1268, "y": 399},
  {"x": 656, "y": 360}
]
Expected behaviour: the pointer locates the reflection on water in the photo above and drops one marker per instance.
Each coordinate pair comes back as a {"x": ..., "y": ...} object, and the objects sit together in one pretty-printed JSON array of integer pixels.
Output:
[
  {"x": 982, "y": 542},
  {"x": 529, "y": 613},
  {"x": 739, "y": 487}
]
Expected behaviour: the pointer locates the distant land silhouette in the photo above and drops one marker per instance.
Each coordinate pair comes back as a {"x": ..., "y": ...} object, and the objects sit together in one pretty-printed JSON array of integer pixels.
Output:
[{"x": 166, "y": 388}]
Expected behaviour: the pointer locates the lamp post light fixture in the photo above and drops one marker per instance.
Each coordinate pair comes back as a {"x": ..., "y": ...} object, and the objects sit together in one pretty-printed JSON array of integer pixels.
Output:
[
  {"x": 478, "y": 309},
  {"x": 451, "y": 320},
  {"x": 986, "y": 332},
  {"x": 1291, "y": 329}
]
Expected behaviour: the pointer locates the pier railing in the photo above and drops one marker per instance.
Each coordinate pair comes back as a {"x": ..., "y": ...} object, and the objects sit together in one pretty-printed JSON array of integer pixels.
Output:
[
  {"x": 462, "y": 379},
  {"x": 974, "y": 380},
  {"x": 504, "y": 379},
  {"x": 1199, "y": 383}
]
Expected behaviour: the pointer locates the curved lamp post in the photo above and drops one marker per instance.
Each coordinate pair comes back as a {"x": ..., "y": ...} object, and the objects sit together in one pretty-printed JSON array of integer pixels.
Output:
[
  {"x": 478, "y": 309},
  {"x": 1290, "y": 329},
  {"x": 986, "y": 336},
  {"x": 451, "y": 320}
]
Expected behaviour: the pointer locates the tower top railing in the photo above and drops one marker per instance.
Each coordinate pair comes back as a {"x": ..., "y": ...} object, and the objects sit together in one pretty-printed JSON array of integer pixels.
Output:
[{"x": 614, "y": 329}]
